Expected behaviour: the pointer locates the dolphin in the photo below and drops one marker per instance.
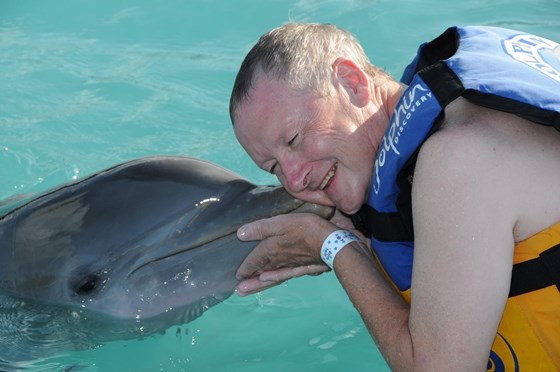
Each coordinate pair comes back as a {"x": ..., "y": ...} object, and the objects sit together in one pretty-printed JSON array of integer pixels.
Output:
[{"x": 126, "y": 252}]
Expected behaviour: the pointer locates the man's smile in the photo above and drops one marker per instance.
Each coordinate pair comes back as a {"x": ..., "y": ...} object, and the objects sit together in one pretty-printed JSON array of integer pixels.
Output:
[{"x": 329, "y": 177}]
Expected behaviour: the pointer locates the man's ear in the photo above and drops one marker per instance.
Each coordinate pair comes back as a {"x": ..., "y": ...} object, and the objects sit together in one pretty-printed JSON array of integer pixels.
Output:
[{"x": 353, "y": 79}]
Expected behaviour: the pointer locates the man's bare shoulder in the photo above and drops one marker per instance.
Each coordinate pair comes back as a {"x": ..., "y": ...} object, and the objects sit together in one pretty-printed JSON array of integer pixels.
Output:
[{"x": 501, "y": 155}]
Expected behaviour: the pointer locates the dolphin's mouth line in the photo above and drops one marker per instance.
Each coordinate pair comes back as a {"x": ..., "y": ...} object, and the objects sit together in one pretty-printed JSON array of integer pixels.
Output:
[
  {"x": 175, "y": 253},
  {"x": 325, "y": 212}
]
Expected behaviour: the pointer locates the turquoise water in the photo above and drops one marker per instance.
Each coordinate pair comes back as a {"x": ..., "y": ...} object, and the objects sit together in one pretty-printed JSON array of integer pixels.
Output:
[{"x": 87, "y": 84}]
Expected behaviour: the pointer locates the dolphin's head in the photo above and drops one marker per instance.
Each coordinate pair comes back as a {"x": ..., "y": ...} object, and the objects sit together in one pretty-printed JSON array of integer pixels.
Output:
[{"x": 149, "y": 237}]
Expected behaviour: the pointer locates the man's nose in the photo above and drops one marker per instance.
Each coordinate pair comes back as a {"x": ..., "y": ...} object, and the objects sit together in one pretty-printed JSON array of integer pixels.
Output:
[{"x": 296, "y": 174}]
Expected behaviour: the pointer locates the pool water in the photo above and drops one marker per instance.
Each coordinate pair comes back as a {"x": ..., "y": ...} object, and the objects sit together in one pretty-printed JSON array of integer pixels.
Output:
[{"x": 88, "y": 84}]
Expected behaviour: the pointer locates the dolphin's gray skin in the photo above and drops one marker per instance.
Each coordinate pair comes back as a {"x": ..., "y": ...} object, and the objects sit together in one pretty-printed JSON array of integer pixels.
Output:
[{"x": 126, "y": 252}]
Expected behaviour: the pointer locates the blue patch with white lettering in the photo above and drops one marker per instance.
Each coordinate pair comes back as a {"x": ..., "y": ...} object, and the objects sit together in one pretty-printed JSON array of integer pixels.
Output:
[{"x": 407, "y": 129}]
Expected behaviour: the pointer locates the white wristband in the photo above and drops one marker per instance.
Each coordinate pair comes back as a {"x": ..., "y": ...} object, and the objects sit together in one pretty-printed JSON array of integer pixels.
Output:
[{"x": 334, "y": 244}]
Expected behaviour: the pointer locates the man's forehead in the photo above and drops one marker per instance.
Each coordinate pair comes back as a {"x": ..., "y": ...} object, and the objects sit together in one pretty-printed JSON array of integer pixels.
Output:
[
  {"x": 267, "y": 104},
  {"x": 252, "y": 123},
  {"x": 270, "y": 110},
  {"x": 268, "y": 92}
]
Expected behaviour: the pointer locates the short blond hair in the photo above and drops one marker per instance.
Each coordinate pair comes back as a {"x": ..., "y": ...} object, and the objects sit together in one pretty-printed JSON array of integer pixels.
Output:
[{"x": 301, "y": 55}]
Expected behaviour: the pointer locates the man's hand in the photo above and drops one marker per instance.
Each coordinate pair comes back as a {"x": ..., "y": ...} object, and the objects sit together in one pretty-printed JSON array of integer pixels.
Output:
[{"x": 290, "y": 247}]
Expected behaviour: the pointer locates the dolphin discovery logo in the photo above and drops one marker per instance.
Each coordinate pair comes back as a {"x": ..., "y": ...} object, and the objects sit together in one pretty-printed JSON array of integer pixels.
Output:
[
  {"x": 537, "y": 52},
  {"x": 412, "y": 101},
  {"x": 502, "y": 357}
]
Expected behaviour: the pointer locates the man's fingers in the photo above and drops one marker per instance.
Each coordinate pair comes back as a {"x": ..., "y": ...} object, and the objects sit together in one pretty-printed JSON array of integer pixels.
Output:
[
  {"x": 252, "y": 265},
  {"x": 292, "y": 272},
  {"x": 257, "y": 261},
  {"x": 285, "y": 251},
  {"x": 272, "y": 278},
  {"x": 259, "y": 258},
  {"x": 257, "y": 230},
  {"x": 254, "y": 285}
]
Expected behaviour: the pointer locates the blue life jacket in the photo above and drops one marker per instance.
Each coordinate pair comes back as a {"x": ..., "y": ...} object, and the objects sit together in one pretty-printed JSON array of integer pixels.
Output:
[{"x": 493, "y": 67}]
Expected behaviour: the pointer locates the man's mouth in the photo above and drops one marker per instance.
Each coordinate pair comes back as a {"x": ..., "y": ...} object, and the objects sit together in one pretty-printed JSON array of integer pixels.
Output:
[{"x": 329, "y": 177}]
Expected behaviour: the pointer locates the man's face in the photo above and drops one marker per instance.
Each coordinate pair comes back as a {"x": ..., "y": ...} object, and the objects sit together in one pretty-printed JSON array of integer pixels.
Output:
[{"x": 316, "y": 147}]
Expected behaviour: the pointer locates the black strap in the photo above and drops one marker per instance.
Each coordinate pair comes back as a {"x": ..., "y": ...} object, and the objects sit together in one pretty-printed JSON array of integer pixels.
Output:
[
  {"x": 523, "y": 110},
  {"x": 538, "y": 273},
  {"x": 385, "y": 227},
  {"x": 442, "y": 47}
]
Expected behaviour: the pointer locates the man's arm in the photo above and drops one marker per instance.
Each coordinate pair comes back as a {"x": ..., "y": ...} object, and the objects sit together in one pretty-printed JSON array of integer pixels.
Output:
[
  {"x": 383, "y": 310},
  {"x": 465, "y": 210},
  {"x": 464, "y": 215}
]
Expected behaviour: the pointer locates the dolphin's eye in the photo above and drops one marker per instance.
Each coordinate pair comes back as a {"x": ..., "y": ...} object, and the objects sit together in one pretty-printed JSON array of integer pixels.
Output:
[{"x": 88, "y": 285}]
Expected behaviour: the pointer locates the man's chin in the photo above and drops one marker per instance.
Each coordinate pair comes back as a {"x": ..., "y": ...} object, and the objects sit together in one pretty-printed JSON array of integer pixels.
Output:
[{"x": 349, "y": 209}]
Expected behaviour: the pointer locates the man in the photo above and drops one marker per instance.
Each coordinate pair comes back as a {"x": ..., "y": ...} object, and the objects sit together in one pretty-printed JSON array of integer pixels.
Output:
[{"x": 478, "y": 183}]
